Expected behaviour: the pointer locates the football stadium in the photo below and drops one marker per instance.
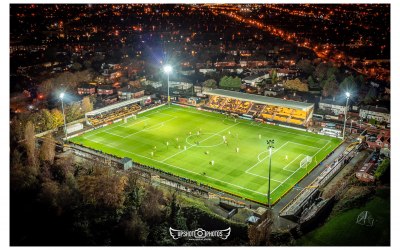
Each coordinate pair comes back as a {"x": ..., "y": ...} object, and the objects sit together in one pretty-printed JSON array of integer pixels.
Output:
[{"x": 221, "y": 144}]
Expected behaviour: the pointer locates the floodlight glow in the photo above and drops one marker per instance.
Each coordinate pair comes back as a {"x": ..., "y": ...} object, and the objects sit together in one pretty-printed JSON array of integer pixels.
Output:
[
  {"x": 347, "y": 94},
  {"x": 167, "y": 69},
  {"x": 62, "y": 95}
]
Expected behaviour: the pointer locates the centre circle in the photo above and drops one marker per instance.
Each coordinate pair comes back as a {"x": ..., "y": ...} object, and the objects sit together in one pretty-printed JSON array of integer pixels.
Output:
[{"x": 205, "y": 140}]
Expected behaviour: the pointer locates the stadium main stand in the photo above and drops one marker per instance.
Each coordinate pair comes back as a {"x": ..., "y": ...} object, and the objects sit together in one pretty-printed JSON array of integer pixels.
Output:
[
  {"x": 114, "y": 112},
  {"x": 266, "y": 108}
]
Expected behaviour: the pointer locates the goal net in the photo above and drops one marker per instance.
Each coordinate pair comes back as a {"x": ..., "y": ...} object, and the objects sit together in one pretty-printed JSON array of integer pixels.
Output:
[
  {"x": 126, "y": 118},
  {"x": 304, "y": 163}
]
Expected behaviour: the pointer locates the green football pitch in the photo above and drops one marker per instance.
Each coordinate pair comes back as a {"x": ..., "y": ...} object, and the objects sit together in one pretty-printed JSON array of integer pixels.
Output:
[{"x": 210, "y": 148}]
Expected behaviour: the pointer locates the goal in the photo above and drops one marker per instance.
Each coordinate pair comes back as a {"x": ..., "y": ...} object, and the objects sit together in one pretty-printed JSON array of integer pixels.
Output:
[
  {"x": 304, "y": 163},
  {"x": 126, "y": 118}
]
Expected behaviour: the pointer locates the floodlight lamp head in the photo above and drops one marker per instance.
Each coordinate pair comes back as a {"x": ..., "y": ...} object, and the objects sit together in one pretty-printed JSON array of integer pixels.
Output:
[
  {"x": 62, "y": 95},
  {"x": 167, "y": 69},
  {"x": 347, "y": 94}
]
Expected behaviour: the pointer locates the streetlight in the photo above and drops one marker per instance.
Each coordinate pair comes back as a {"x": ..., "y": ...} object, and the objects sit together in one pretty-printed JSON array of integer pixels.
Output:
[
  {"x": 62, "y": 107},
  {"x": 270, "y": 147},
  {"x": 167, "y": 70},
  {"x": 351, "y": 126},
  {"x": 345, "y": 112}
]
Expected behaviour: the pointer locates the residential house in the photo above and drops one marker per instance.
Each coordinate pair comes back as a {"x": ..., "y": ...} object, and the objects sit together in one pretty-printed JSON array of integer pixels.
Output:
[
  {"x": 105, "y": 90},
  {"x": 335, "y": 106},
  {"x": 180, "y": 84},
  {"x": 86, "y": 89},
  {"x": 129, "y": 92},
  {"x": 374, "y": 112},
  {"x": 207, "y": 70},
  {"x": 366, "y": 172},
  {"x": 382, "y": 140},
  {"x": 253, "y": 80}
]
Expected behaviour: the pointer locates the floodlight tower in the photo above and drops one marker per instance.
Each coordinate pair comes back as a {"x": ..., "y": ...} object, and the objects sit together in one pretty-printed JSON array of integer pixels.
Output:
[
  {"x": 345, "y": 113},
  {"x": 168, "y": 70},
  {"x": 62, "y": 107},
  {"x": 270, "y": 144}
]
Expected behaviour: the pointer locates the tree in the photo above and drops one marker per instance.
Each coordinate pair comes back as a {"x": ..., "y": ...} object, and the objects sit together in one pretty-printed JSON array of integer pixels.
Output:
[
  {"x": 274, "y": 76},
  {"x": 371, "y": 96},
  {"x": 136, "y": 230},
  {"x": 311, "y": 82},
  {"x": 210, "y": 83},
  {"x": 102, "y": 186},
  {"x": 87, "y": 105},
  {"x": 320, "y": 71},
  {"x": 348, "y": 84},
  {"x": 67, "y": 80},
  {"x": 229, "y": 82},
  {"x": 382, "y": 169},
  {"x": 306, "y": 66},
  {"x": 330, "y": 87},
  {"x": 76, "y": 66},
  {"x": 22, "y": 177},
  {"x": 73, "y": 112},
  {"x": 17, "y": 128},
  {"x": 236, "y": 82},
  {"x": 360, "y": 80},
  {"x": 332, "y": 71},
  {"x": 47, "y": 119},
  {"x": 48, "y": 149},
  {"x": 151, "y": 208},
  {"x": 325, "y": 71},
  {"x": 58, "y": 118},
  {"x": 295, "y": 84},
  {"x": 29, "y": 136},
  {"x": 50, "y": 192}
]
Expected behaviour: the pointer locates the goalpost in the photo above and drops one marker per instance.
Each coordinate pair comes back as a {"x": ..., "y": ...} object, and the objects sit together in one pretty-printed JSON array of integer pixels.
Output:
[
  {"x": 126, "y": 118},
  {"x": 307, "y": 160}
]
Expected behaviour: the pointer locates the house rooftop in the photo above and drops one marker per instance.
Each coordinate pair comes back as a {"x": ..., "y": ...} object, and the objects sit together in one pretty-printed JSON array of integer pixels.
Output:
[
  {"x": 107, "y": 87},
  {"x": 376, "y": 109},
  {"x": 255, "y": 76},
  {"x": 340, "y": 102}
]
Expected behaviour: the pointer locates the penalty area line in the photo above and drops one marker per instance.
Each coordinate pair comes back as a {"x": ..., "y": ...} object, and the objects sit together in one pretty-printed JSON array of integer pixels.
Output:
[{"x": 189, "y": 171}]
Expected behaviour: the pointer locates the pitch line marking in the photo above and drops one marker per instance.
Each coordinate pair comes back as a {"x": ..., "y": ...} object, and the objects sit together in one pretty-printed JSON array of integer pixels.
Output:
[
  {"x": 263, "y": 127},
  {"x": 134, "y": 123},
  {"x": 264, "y": 177},
  {"x": 199, "y": 142},
  {"x": 209, "y": 177},
  {"x": 145, "y": 129},
  {"x": 298, "y": 169},
  {"x": 114, "y": 134},
  {"x": 146, "y": 117},
  {"x": 149, "y": 128},
  {"x": 303, "y": 145},
  {"x": 291, "y": 163},
  {"x": 265, "y": 157},
  {"x": 191, "y": 144}
]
